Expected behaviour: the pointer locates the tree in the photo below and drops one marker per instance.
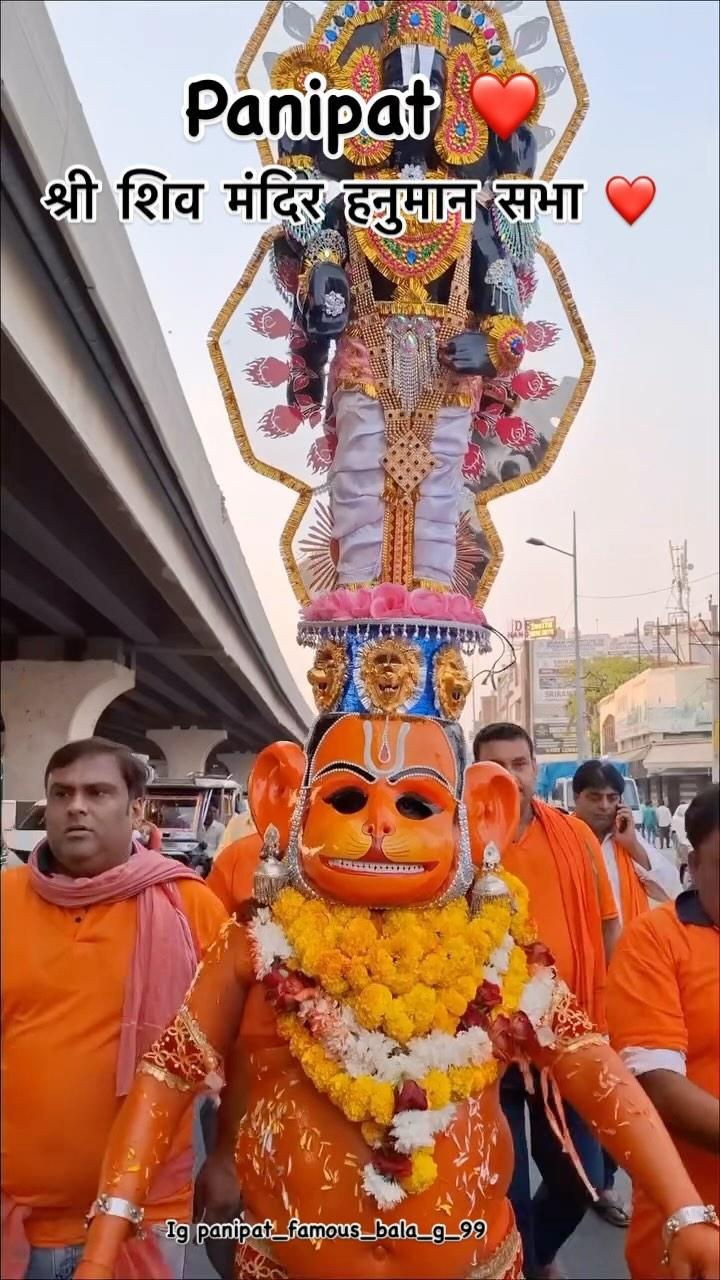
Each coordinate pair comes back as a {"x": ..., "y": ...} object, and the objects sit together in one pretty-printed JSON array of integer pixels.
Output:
[{"x": 601, "y": 676}]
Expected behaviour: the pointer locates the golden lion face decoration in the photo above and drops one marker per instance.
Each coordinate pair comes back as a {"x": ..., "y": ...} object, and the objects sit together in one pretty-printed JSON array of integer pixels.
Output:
[
  {"x": 389, "y": 674},
  {"x": 451, "y": 683},
  {"x": 327, "y": 675}
]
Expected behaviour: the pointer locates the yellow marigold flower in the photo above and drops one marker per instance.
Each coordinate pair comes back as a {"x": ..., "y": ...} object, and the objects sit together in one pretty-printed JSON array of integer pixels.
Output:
[
  {"x": 467, "y": 987},
  {"x": 359, "y": 936},
  {"x": 382, "y": 1104},
  {"x": 424, "y": 1172},
  {"x": 357, "y": 1101},
  {"x": 443, "y": 1020},
  {"x": 398, "y": 1023},
  {"x": 453, "y": 1001},
  {"x": 372, "y": 1005},
  {"x": 461, "y": 1082},
  {"x": 358, "y": 976},
  {"x": 437, "y": 1087},
  {"x": 380, "y": 965},
  {"x": 421, "y": 999},
  {"x": 403, "y": 980},
  {"x": 287, "y": 906},
  {"x": 432, "y": 969},
  {"x": 338, "y": 1088},
  {"x": 373, "y": 1134}
]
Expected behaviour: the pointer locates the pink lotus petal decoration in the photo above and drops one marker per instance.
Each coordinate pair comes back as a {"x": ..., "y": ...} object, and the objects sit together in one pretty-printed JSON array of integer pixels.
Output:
[{"x": 388, "y": 600}]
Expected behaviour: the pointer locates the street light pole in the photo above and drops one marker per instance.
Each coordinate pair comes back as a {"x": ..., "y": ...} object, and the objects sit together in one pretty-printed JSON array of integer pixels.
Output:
[{"x": 581, "y": 722}]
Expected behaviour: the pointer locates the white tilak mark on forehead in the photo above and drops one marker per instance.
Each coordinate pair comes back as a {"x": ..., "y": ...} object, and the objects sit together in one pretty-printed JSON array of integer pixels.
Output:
[
  {"x": 392, "y": 765},
  {"x": 416, "y": 59}
]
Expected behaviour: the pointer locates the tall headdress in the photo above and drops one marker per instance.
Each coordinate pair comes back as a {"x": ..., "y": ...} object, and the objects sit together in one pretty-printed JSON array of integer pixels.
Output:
[{"x": 392, "y": 641}]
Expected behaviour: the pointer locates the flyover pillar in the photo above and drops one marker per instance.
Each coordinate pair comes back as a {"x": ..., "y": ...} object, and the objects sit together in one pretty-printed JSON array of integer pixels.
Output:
[
  {"x": 46, "y": 704},
  {"x": 239, "y": 763},
  {"x": 186, "y": 751}
]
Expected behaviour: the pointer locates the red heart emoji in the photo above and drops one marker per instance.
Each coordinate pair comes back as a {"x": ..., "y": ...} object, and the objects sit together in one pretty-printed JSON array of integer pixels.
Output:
[
  {"x": 630, "y": 199},
  {"x": 504, "y": 106}
]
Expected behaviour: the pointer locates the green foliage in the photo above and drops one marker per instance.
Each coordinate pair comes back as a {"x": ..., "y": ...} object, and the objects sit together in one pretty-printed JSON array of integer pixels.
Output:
[{"x": 601, "y": 676}]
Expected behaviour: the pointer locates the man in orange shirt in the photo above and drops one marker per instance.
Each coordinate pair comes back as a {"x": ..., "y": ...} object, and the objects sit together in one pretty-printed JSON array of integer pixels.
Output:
[
  {"x": 100, "y": 940},
  {"x": 664, "y": 1015},
  {"x": 560, "y": 862},
  {"x": 231, "y": 875}
]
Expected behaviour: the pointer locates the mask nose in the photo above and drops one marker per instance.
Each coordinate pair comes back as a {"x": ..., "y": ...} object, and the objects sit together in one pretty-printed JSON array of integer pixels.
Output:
[{"x": 381, "y": 815}]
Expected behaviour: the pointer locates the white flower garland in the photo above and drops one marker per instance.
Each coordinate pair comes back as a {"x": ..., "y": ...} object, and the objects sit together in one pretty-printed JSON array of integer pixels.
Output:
[{"x": 386, "y": 1192}]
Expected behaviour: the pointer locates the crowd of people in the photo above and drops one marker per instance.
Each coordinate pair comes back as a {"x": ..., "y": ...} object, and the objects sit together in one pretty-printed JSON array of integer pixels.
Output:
[{"x": 101, "y": 935}]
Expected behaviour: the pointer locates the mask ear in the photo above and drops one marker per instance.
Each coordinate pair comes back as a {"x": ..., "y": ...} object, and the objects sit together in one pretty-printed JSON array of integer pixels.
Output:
[
  {"x": 275, "y": 779},
  {"x": 492, "y": 800}
]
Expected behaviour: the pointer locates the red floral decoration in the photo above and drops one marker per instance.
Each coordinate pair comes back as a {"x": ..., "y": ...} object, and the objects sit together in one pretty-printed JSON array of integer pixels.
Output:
[
  {"x": 267, "y": 371},
  {"x": 516, "y": 433},
  {"x": 269, "y": 322},
  {"x": 412, "y": 1097},
  {"x": 538, "y": 954},
  {"x": 529, "y": 384},
  {"x": 474, "y": 465},
  {"x": 511, "y": 1036},
  {"x": 540, "y": 334},
  {"x": 283, "y": 420}
]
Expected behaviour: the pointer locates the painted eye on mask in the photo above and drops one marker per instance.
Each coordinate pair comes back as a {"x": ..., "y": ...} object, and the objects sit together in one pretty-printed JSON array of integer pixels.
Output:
[
  {"x": 415, "y": 807},
  {"x": 347, "y": 800}
]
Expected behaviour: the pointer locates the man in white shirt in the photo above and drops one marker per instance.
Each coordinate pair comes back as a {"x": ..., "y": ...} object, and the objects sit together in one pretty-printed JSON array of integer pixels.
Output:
[
  {"x": 598, "y": 789},
  {"x": 213, "y": 831},
  {"x": 664, "y": 821}
]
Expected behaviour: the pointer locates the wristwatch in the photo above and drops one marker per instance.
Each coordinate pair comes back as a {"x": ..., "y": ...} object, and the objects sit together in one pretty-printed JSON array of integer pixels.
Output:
[{"x": 691, "y": 1216}]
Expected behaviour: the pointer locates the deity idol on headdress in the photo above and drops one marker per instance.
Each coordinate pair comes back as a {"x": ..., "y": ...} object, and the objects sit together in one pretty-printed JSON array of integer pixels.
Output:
[{"x": 387, "y": 970}]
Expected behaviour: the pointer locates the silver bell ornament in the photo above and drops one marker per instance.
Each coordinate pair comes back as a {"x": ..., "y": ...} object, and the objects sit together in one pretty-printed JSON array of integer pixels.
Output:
[
  {"x": 270, "y": 875},
  {"x": 489, "y": 887}
]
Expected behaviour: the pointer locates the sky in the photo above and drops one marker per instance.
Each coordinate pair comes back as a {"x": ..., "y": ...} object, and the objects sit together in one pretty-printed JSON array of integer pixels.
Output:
[{"x": 640, "y": 464}]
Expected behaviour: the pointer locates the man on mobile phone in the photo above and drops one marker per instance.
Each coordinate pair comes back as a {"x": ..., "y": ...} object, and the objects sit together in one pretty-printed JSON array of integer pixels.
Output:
[{"x": 637, "y": 872}]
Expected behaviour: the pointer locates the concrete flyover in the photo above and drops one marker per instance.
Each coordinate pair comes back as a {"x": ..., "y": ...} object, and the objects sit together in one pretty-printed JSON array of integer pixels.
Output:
[{"x": 127, "y": 606}]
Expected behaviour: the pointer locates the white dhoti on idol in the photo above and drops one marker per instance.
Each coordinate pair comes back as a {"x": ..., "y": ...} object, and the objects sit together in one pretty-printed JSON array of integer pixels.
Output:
[{"x": 357, "y": 482}]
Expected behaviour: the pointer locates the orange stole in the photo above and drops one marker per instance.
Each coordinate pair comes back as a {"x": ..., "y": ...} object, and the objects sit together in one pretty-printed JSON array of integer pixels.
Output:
[
  {"x": 576, "y": 874},
  {"x": 633, "y": 898}
]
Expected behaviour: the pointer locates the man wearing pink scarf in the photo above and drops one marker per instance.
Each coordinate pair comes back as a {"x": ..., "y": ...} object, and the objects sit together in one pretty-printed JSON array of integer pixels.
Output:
[{"x": 101, "y": 939}]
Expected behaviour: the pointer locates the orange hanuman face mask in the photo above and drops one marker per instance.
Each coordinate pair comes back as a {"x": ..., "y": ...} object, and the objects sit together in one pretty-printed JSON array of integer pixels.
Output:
[{"x": 381, "y": 823}]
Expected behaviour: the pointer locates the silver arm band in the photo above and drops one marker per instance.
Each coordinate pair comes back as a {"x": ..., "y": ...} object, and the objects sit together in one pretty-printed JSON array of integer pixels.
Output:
[
  {"x": 691, "y": 1216},
  {"x": 116, "y": 1207}
]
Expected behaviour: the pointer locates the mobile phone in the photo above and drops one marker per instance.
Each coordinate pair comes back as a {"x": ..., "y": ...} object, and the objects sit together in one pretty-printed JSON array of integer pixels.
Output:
[{"x": 622, "y": 823}]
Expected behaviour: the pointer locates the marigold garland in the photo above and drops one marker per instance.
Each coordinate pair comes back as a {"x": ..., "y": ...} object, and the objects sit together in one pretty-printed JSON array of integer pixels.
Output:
[
  {"x": 371, "y": 962},
  {"x": 405, "y": 972}
]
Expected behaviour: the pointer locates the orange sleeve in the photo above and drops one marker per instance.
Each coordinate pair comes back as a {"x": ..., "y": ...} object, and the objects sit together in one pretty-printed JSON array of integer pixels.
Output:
[
  {"x": 220, "y": 877},
  {"x": 231, "y": 877},
  {"x": 644, "y": 1004},
  {"x": 204, "y": 912},
  {"x": 606, "y": 897}
]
